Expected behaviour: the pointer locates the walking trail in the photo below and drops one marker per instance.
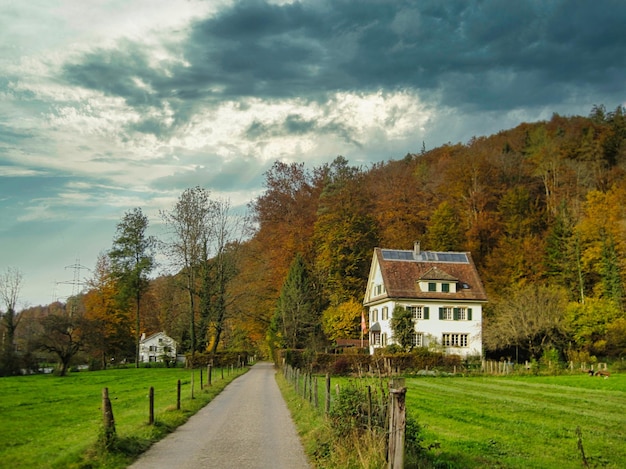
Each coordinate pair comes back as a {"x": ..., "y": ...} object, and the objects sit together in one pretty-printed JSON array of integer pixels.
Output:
[{"x": 247, "y": 425}]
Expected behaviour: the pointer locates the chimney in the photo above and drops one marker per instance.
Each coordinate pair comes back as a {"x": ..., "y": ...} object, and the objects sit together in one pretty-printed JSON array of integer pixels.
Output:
[{"x": 416, "y": 249}]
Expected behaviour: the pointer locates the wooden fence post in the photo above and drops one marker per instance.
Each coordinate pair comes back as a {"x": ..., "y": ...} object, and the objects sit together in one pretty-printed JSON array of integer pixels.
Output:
[
  {"x": 327, "y": 404},
  {"x": 178, "y": 395},
  {"x": 201, "y": 378},
  {"x": 209, "y": 369},
  {"x": 107, "y": 416},
  {"x": 192, "y": 375},
  {"x": 151, "y": 415},
  {"x": 397, "y": 423},
  {"x": 369, "y": 407}
]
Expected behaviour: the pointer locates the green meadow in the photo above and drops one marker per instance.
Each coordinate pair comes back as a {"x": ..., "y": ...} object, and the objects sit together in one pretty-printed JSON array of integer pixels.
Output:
[
  {"x": 52, "y": 422},
  {"x": 521, "y": 422}
]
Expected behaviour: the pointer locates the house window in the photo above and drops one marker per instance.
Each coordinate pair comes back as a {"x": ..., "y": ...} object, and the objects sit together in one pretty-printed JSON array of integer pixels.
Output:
[
  {"x": 384, "y": 339},
  {"x": 379, "y": 289},
  {"x": 385, "y": 313},
  {"x": 446, "y": 313},
  {"x": 432, "y": 286},
  {"x": 463, "y": 314},
  {"x": 153, "y": 348},
  {"x": 419, "y": 312},
  {"x": 417, "y": 339},
  {"x": 445, "y": 287},
  {"x": 454, "y": 340},
  {"x": 374, "y": 315},
  {"x": 376, "y": 338}
]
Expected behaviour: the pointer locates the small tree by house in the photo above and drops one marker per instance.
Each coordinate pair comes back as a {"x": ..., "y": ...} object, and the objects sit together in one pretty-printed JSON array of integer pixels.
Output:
[{"x": 403, "y": 327}]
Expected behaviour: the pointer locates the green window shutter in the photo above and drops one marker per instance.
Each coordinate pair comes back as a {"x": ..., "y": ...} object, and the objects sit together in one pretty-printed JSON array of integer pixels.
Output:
[
  {"x": 440, "y": 313},
  {"x": 469, "y": 314},
  {"x": 455, "y": 314},
  {"x": 426, "y": 312}
]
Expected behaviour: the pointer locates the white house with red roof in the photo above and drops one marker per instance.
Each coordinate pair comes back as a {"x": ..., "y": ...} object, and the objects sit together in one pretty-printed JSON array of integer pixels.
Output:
[{"x": 443, "y": 291}]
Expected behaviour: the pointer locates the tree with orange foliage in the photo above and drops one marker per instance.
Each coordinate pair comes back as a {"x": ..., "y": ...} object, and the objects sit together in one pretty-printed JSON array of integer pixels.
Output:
[{"x": 109, "y": 333}]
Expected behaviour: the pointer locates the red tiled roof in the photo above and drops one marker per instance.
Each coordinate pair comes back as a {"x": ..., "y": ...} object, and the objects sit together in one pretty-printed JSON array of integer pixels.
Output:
[{"x": 401, "y": 278}]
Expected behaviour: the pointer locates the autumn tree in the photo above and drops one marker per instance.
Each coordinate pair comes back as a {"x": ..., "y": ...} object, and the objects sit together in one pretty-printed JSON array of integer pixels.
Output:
[
  {"x": 10, "y": 287},
  {"x": 109, "y": 332},
  {"x": 589, "y": 323},
  {"x": 345, "y": 234},
  {"x": 603, "y": 243},
  {"x": 403, "y": 327},
  {"x": 444, "y": 231},
  {"x": 342, "y": 321},
  {"x": 189, "y": 226},
  {"x": 132, "y": 260}
]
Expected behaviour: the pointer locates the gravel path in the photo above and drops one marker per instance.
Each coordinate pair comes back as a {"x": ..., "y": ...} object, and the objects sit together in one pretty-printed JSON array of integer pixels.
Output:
[{"x": 247, "y": 425}]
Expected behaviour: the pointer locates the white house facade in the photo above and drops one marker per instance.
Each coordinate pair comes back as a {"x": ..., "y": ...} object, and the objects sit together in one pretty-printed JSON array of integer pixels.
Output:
[
  {"x": 441, "y": 289},
  {"x": 157, "y": 347}
]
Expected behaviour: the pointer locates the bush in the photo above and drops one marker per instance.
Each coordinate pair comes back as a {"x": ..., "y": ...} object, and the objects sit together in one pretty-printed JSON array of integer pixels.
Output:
[{"x": 341, "y": 366}]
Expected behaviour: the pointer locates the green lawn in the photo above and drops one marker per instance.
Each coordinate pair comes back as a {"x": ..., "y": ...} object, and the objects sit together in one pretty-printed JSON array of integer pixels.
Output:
[
  {"x": 52, "y": 422},
  {"x": 522, "y": 422}
]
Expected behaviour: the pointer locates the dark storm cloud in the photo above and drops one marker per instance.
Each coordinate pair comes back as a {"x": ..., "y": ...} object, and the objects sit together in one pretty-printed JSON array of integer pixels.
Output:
[
  {"x": 295, "y": 124},
  {"x": 480, "y": 55},
  {"x": 243, "y": 173}
]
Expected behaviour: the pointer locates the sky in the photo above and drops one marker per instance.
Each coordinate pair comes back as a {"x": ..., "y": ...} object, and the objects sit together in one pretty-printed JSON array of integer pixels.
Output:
[{"x": 108, "y": 105}]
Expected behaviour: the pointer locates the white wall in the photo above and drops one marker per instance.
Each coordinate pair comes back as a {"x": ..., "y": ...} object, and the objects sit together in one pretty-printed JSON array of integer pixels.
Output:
[{"x": 434, "y": 326}]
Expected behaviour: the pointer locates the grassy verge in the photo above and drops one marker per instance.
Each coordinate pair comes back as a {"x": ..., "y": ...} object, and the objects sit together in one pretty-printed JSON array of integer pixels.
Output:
[
  {"x": 326, "y": 444},
  {"x": 522, "y": 422},
  {"x": 52, "y": 422}
]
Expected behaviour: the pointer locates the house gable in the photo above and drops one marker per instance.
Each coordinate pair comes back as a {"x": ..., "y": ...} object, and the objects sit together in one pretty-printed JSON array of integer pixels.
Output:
[
  {"x": 442, "y": 289},
  {"x": 157, "y": 346}
]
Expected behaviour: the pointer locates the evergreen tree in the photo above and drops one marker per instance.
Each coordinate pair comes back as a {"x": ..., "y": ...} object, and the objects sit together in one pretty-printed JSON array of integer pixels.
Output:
[
  {"x": 297, "y": 319},
  {"x": 610, "y": 272},
  {"x": 132, "y": 259}
]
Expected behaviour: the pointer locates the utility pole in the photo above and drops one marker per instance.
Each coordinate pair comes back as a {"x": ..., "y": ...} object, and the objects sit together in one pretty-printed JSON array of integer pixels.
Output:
[{"x": 76, "y": 284}]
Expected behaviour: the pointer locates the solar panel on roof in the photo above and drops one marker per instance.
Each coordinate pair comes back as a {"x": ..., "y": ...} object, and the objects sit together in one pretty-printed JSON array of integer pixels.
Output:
[
  {"x": 425, "y": 256},
  {"x": 389, "y": 254}
]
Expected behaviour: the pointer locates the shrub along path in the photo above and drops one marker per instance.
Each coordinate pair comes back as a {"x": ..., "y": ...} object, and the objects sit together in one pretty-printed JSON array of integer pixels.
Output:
[{"x": 247, "y": 425}]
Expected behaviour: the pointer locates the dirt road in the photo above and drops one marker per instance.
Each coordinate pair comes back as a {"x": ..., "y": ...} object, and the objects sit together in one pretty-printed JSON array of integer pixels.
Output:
[{"x": 247, "y": 426}]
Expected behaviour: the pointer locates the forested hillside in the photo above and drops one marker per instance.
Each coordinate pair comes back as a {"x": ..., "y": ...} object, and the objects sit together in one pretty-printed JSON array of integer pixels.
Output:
[{"x": 541, "y": 207}]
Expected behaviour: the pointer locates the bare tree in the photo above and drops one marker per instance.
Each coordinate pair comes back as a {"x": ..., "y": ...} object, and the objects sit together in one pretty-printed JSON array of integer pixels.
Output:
[
  {"x": 531, "y": 318},
  {"x": 189, "y": 227},
  {"x": 220, "y": 269},
  {"x": 62, "y": 337},
  {"x": 10, "y": 286}
]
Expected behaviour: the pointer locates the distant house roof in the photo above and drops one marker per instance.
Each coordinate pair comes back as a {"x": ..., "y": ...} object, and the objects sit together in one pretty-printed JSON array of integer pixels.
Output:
[
  {"x": 403, "y": 270},
  {"x": 352, "y": 342}
]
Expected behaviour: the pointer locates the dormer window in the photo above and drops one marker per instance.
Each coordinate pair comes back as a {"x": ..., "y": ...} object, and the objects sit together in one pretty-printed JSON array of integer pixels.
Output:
[
  {"x": 445, "y": 287},
  {"x": 432, "y": 286}
]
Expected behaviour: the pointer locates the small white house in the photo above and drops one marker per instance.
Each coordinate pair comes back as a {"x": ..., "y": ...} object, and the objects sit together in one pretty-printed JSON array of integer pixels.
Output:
[
  {"x": 441, "y": 289},
  {"x": 156, "y": 347}
]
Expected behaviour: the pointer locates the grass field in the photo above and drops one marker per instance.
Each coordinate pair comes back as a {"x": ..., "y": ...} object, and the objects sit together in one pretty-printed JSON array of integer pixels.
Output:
[
  {"x": 52, "y": 422},
  {"x": 522, "y": 422}
]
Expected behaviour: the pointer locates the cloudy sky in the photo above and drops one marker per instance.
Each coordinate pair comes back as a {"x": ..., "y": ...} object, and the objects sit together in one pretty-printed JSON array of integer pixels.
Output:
[{"x": 106, "y": 105}]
